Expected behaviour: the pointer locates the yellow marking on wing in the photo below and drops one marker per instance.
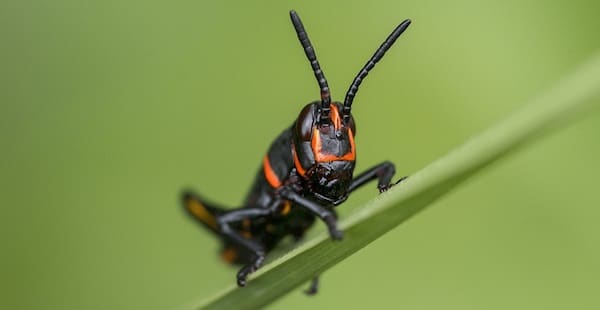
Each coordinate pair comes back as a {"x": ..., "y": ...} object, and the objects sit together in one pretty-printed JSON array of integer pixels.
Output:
[
  {"x": 286, "y": 208},
  {"x": 200, "y": 212},
  {"x": 246, "y": 234},
  {"x": 229, "y": 255},
  {"x": 246, "y": 224}
]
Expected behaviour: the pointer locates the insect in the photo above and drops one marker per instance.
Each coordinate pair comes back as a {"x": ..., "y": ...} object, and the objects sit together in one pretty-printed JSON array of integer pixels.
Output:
[{"x": 307, "y": 171}]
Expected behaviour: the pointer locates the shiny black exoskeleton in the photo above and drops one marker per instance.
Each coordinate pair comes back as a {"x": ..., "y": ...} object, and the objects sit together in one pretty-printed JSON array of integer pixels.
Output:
[{"x": 307, "y": 171}]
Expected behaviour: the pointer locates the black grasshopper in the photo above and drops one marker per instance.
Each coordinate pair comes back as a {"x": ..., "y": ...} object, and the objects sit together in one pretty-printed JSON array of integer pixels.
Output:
[{"x": 307, "y": 171}]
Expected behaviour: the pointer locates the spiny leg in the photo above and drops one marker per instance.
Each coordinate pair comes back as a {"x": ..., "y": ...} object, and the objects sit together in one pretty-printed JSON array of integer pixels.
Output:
[
  {"x": 382, "y": 172},
  {"x": 328, "y": 216},
  {"x": 254, "y": 247}
]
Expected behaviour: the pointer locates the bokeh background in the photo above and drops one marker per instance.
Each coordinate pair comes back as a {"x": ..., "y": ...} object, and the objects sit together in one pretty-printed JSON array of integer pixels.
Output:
[{"x": 108, "y": 109}]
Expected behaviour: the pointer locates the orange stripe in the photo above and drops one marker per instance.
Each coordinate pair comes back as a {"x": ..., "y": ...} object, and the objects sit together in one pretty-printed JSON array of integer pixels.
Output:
[
  {"x": 321, "y": 157},
  {"x": 270, "y": 174},
  {"x": 352, "y": 154},
  {"x": 297, "y": 162},
  {"x": 335, "y": 116}
]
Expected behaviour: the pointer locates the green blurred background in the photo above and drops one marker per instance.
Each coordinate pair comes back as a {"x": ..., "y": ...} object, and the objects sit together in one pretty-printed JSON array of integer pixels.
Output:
[{"x": 109, "y": 108}]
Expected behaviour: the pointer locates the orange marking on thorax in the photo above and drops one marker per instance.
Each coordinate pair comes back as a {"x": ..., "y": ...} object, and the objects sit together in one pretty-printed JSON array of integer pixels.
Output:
[
  {"x": 335, "y": 116},
  {"x": 352, "y": 146},
  {"x": 270, "y": 175},
  {"x": 324, "y": 157},
  {"x": 297, "y": 163}
]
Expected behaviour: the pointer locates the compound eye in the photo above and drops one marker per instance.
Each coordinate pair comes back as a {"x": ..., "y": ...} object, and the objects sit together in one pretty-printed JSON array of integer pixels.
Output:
[{"x": 304, "y": 123}]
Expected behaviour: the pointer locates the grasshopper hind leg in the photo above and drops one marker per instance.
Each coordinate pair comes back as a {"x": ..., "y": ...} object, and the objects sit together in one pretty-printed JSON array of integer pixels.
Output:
[{"x": 205, "y": 213}]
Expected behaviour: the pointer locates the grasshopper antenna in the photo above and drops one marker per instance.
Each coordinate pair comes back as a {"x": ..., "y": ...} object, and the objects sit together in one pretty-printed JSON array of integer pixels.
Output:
[
  {"x": 369, "y": 65},
  {"x": 314, "y": 63}
]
